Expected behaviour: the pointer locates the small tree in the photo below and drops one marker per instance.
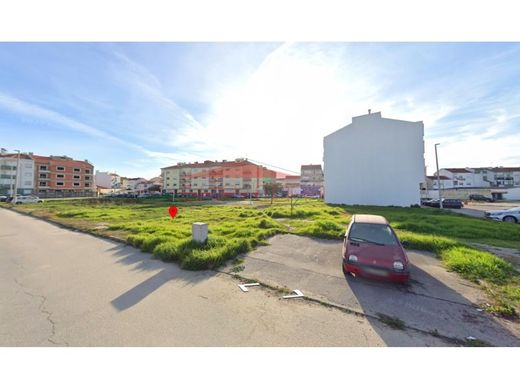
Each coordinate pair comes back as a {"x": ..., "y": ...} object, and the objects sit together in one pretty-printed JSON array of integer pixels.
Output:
[
  {"x": 272, "y": 189},
  {"x": 294, "y": 200}
]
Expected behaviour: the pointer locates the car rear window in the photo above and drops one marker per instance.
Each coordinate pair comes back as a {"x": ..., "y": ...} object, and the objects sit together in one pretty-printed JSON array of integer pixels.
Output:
[{"x": 372, "y": 233}]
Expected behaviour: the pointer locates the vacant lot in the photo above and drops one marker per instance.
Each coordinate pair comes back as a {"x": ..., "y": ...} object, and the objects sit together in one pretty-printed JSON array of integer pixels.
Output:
[{"x": 238, "y": 228}]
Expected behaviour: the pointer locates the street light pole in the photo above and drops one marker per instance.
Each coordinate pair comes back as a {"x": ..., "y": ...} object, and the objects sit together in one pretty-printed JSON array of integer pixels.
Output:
[
  {"x": 16, "y": 175},
  {"x": 438, "y": 176}
]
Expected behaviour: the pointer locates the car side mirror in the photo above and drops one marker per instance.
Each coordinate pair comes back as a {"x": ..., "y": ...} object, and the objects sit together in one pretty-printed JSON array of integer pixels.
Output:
[{"x": 405, "y": 244}]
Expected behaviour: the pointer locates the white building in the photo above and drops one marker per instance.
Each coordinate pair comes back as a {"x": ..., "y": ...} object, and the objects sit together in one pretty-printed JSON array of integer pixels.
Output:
[
  {"x": 311, "y": 180},
  {"x": 375, "y": 161},
  {"x": 107, "y": 180},
  {"x": 290, "y": 185},
  {"x": 135, "y": 184},
  {"x": 461, "y": 177},
  {"x": 8, "y": 174},
  {"x": 432, "y": 182}
]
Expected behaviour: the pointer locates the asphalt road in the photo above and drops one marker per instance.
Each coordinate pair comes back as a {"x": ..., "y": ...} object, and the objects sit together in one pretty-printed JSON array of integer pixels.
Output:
[{"x": 65, "y": 288}]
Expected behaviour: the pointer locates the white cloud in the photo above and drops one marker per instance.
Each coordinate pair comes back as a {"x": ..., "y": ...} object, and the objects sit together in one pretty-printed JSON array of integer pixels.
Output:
[{"x": 16, "y": 105}]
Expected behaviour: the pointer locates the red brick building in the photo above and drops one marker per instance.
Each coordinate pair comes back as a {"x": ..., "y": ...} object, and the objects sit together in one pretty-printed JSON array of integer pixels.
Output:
[
  {"x": 217, "y": 178},
  {"x": 63, "y": 176}
]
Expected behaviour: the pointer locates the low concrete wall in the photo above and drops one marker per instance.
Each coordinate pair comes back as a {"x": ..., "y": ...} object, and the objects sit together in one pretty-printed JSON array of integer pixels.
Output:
[
  {"x": 512, "y": 194},
  {"x": 457, "y": 193}
]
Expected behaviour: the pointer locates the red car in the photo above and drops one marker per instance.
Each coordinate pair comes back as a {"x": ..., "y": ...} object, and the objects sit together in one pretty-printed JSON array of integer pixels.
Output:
[{"x": 372, "y": 249}]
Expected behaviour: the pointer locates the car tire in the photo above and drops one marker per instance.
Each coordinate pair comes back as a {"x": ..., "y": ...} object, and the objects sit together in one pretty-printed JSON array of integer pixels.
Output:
[
  {"x": 510, "y": 219},
  {"x": 346, "y": 273}
]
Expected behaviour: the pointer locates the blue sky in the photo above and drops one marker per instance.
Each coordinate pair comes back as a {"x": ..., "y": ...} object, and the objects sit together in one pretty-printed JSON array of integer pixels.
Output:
[{"x": 136, "y": 107}]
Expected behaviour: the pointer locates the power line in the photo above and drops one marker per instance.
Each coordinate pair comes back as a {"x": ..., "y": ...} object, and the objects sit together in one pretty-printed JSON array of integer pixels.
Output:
[{"x": 273, "y": 166}]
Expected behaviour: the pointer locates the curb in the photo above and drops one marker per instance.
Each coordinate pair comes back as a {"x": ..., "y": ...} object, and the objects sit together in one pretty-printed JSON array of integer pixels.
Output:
[{"x": 452, "y": 340}]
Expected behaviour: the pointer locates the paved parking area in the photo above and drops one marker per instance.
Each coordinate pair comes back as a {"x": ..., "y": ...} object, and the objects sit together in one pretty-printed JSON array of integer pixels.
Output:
[
  {"x": 477, "y": 209},
  {"x": 435, "y": 300}
]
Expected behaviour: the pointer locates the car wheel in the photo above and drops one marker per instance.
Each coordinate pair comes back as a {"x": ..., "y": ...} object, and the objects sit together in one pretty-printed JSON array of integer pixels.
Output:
[
  {"x": 510, "y": 219},
  {"x": 346, "y": 273}
]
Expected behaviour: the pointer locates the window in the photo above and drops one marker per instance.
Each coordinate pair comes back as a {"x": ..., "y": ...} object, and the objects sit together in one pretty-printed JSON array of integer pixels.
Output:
[
  {"x": 59, "y": 183},
  {"x": 60, "y": 168},
  {"x": 87, "y": 184},
  {"x": 376, "y": 233},
  {"x": 60, "y": 176},
  {"x": 77, "y": 170},
  {"x": 43, "y": 184},
  {"x": 87, "y": 177},
  {"x": 43, "y": 176},
  {"x": 87, "y": 170},
  {"x": 43, "y": 167},
  {"x": 76, "y": 184},
  {"x": 27, "y": 183},
  {"x": 76, "y": 176}
]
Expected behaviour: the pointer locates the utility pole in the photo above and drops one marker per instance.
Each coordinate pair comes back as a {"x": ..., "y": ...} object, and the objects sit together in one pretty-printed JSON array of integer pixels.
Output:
[
  {"x": 438, "y": 176},
  {"x": 17, "y": 171}
]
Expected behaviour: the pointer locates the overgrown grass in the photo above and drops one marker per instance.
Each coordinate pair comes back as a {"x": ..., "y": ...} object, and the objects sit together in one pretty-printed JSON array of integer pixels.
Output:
[{"x": 237, "y": 228}]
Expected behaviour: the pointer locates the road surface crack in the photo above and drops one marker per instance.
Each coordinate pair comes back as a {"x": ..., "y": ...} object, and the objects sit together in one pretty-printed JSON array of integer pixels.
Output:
[{"x": 43, "y": 310}]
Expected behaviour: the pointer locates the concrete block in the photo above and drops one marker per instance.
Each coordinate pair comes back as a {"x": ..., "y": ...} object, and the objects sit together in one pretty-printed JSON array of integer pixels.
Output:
[{"x": 199, "y": 231}]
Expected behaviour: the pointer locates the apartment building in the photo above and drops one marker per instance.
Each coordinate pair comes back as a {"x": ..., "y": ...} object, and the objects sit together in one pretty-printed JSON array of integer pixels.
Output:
[
  {"x": 482, "y": 177},
  {"x": 16, "y": 173},
  {"x": 290, "y": 185},
  {"x": 134, "y": 184},
  {"x": 155, "y": 184},
  {"x": 107, "y": 180},
  {"x": 506, "y": 176},
  {"x": 63, "y": 176},
  {"x": 432, "y": 182},
  {"x": 216, "y": 178},
  {"x": 311, "y": 180}
]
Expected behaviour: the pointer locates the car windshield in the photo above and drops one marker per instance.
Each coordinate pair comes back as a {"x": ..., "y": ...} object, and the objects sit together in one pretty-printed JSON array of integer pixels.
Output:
[
  {"x": 372, "y": 233},
  {"x": 515, "y": 209}
]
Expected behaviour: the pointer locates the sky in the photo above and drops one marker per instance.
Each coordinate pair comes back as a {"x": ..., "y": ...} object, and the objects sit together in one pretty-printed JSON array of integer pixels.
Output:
[{"x": 133, "y": 108}]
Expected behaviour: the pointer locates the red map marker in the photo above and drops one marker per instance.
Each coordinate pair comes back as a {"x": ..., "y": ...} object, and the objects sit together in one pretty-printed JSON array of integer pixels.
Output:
[{"x": 173, "y": 211}]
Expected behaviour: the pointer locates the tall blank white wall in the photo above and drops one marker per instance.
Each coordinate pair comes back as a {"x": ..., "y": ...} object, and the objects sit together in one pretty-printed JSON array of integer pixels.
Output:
[{"x": 375, "y": 161}]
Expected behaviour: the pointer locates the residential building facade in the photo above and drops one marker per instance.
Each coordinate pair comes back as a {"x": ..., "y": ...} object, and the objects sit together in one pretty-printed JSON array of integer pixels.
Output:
[
  {"x": 375, "y": 161},
  {"x": 107, "y": 180},
  {"x": 290, "y": 185},
  {"x": 432, "y": 182},
  {"x": 483, "y": 177},
  {"x": 311, "y": 180},
  {"x": 16, "y": 174},
  {"x": 134, "y": 184},
  {"x": 63, "y": 176},
  {"x": 216, "y": 178}
]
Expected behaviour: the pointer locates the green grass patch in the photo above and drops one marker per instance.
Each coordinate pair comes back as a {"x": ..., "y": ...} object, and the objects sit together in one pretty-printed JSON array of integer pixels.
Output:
[{"x": 237, "y": 228}]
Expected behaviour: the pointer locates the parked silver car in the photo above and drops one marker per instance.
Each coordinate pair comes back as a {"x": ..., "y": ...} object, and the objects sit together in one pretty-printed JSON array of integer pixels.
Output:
[
  {"x": 26, "y": 199},
  {"x": 509, "y": 215}
]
